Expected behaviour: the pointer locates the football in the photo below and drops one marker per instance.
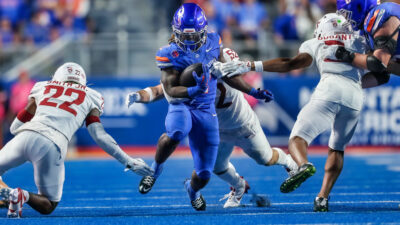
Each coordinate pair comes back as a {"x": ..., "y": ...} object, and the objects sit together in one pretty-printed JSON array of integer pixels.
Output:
[{"x": 186, "y": 78}]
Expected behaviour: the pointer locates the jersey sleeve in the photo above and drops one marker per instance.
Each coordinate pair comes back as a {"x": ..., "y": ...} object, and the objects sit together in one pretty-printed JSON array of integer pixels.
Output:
[
  {"x": 97, "y": 101},
  {"x": 36, "y": 91},
  {"x": 306, "y": 47},
  {"x": 163, "y": 58}
]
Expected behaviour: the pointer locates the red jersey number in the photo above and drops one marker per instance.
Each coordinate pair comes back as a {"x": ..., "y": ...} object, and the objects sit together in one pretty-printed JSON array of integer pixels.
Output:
[{"x": 60, "y": 91}]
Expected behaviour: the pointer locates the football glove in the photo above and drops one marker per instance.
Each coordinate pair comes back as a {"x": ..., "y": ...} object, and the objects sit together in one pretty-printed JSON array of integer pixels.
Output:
[
  {"x": 138, "y": 166},
  {"x": 262, "y": 94},
  {"x": 132, "y": 98},
  {"x": 233, "y": 68},
  {"x": 201, "y": 82},
  {"x": 344, "y": 55}
]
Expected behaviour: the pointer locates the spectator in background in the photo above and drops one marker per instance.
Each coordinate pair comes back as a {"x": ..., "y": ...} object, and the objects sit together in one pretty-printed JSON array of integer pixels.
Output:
[
  {"x": 6, "y": 33},
  {"x": 252, "y": 17},
  {"x": 224, "y": 19},
  {"x": 20, "y": 93},
  {"x": 3, "y": 99},
  {"x": 11, "y": 9},
  {"x": 37, "y": 30},
  {"x": 285, "y": 25}
]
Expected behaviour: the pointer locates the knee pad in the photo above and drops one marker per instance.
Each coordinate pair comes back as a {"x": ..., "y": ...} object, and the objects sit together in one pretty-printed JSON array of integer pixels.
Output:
[{"x": 205, "y": 174}]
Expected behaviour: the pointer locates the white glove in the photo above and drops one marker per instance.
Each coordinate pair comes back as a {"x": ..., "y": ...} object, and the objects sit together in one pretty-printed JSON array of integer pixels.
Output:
[
  {"x": 132, "y": 98},
  {"x": 138, "y": 166},
  {"x": 215, "y": 69},
  {"x": 233, "y": 68}
]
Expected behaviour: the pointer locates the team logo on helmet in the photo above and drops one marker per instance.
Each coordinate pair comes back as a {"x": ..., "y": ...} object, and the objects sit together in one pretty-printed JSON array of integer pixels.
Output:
[{"x": 175, "y": 54}]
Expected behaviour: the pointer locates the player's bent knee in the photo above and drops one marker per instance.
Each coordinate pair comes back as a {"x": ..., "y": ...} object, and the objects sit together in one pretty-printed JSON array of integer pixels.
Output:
[
  {"x": 49, "y": 209},
  {"x": 219, "y": 171},
  {"x": 204, "y": 175},
  {"x": 176, "y": 135}
]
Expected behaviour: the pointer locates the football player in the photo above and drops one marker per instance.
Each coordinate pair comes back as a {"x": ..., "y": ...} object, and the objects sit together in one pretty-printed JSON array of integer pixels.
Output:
[
  {"x": 191, "y": 110},
  {"x": 335, "y": 103},
  {"x": 238, "y": 126},
  {"x": 381, "y": 25},
  {"x": 56, "y": 109}
]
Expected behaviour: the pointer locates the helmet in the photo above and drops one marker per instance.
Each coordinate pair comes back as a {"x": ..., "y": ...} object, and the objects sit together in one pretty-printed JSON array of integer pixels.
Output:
[
  {"x": 70, "y": 72},
  {"x": 355, "y": 11},
  {"x": 190, "y": 27},
  {"x": 332, "y": 24}
]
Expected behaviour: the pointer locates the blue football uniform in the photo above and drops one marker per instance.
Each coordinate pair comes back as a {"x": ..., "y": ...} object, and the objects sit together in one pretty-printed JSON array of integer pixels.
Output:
[
  {"x": 377, "y": 17},
  {"x": 194, "y": 117}
]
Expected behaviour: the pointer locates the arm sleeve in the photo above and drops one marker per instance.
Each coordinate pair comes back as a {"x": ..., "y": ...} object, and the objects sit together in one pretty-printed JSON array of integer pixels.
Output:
[
  {"x": 15, "y": 125},
  {"x": 107, "y": 143}
]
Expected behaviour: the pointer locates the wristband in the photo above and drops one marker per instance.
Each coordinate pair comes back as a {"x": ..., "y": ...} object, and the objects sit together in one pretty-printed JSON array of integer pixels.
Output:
[
  {"x": 150, "y": 92},
  {"x": 24, "y": 116},
  {"x": 258, "y": 66}
]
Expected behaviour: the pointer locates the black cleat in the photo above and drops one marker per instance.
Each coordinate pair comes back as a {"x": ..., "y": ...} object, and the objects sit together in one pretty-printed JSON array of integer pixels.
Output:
[
  {"x": 293, "y": 182},
  {"x": 321, "y": 204},
  {"x": 146, "y": 184},
  {"x": 199, "y": 204}
]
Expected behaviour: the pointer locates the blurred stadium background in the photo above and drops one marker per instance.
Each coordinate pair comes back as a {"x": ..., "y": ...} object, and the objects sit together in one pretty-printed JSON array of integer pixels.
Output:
[{"x": 116, "y": 40}]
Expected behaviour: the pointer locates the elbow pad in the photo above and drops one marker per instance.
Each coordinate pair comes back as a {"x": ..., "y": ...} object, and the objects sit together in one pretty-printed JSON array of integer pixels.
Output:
[
  {"x": 375, "y": 65},
  {"x": 382, "y": 78},
  {"x": 385, "y": 42}
]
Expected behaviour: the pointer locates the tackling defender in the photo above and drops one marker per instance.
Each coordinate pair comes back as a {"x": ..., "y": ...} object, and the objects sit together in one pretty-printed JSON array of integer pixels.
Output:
[
  {"x": 381, "y": 25},
  {"x": 336, "y": 101},
  {"x": 56, "y": 109},
  {"x": 191, "y": 111},
  {"x": 238, "y": 126}
]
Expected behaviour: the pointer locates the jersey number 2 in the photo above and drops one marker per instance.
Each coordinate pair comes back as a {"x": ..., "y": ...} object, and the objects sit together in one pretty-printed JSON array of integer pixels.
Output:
[{"x": 68, "y": 92}]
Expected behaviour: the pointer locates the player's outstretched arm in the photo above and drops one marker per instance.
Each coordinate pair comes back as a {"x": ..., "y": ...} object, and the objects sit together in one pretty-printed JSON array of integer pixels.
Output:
[
  {"x": 109, "y": 145},
  {"x": 24, "y": 116},
  {"x": 149, "y": 94},
  {"x": 279, "y": 65},
  {"x": 238, "y": 83},
  {"x": 385, "y": 42}
]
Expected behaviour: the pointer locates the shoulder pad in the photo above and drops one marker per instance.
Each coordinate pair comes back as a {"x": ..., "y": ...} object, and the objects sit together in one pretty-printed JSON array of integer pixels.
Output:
[
  {"x": 163, "y": 57},
  {"x": 97, "y": 100}
]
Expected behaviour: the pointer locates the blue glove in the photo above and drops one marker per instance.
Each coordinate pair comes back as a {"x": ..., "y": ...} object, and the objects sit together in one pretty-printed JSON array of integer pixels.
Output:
[
  {"x": 201, "y": 83},
  {"x": 262, "y": 94}
]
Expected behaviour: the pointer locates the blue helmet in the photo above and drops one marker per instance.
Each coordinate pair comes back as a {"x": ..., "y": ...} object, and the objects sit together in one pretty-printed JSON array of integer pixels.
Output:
[
  {"x": 190, "y": 27},
  {"x": 355, "y": 11}
]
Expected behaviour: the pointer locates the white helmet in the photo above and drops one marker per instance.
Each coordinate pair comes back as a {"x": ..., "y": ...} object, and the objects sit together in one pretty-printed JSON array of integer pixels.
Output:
[
  {"x": 332, "y": 24},
  {"x": 70, "y": 72}
]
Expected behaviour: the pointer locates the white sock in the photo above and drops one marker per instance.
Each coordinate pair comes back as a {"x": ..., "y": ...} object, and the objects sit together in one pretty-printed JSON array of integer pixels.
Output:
[
  {"x": 282, "y": 157},
  {"x": 231, "y": 177}
]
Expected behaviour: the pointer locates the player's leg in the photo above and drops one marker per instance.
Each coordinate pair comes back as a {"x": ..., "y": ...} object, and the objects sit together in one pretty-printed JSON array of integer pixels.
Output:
[
  {"x": 203, "y": 141},
  {"x": 178, "y": 124},
  {"x": 316, "y": 117},
  {"x": 258, "y": 148},
  {"x": 343, "y": 129},
  {"x": 12, "y": 155},
  {"x": 227, "y": 172}
]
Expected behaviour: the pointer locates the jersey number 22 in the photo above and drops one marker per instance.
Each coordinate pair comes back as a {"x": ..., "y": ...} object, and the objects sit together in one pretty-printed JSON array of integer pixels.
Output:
[{"x": 60, "y": 91}]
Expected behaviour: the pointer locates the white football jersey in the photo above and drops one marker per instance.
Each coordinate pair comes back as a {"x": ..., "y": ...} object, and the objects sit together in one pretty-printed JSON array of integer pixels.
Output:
[
  {"x": 232, "y": 108},
  {"x": 61, "y": 110},
  {"x": 340, "y": 81}
]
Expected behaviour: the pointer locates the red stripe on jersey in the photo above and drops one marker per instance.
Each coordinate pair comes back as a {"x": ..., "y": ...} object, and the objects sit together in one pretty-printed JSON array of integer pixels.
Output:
[
  {"x": 24, "y": 116},
  {"x": 372, "y": 21},
  {"x": 334, "y": 42},
  {"x": 92, "y": 119}
]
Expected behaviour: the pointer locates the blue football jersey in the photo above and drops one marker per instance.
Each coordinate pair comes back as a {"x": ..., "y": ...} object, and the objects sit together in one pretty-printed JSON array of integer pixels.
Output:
[
  {"x": 377, "y": 17},
  {"x": 173, "y": 56}
]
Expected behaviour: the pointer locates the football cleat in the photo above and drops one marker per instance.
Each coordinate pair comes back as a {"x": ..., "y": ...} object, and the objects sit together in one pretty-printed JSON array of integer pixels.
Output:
[
  {"x": 16, "y": 199},
  {"x": 235, "y": 196},
  {"x": 146, "y": 184},
  {"x": 198, "y": 203},
  {"x": 294, "y": 181},
  {"x": 321, "y": 204}
]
